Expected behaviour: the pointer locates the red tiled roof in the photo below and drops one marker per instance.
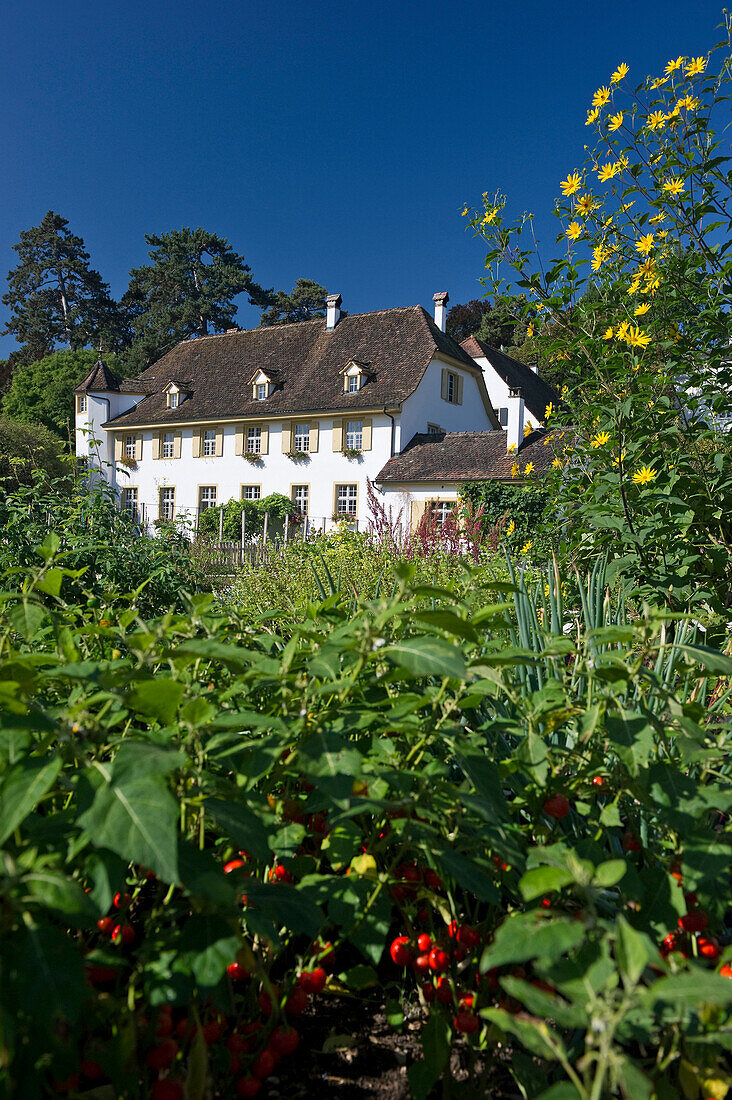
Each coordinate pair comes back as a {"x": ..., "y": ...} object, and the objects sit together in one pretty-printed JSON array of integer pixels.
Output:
[{"x": 465, "y": 456}]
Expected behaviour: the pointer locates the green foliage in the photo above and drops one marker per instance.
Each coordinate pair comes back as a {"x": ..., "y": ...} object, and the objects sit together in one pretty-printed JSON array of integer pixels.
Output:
[
  {"x": 392, "y": 758},
  {"x": 498, "y": 323},
  {"x": 529, "y": 507},
  {"x": 276, "y": 504},
  {"x": 305, "y": 302},
  {"x": 42, "y": 391},
  {"x": 188, "y": 289},
  {"x": 642, "y": 337},
  {"x": 55, "y": 297},
  {"x": 27, "y": 450}
]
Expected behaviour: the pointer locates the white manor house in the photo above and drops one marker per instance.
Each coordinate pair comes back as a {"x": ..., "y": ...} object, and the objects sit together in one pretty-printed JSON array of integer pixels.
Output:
[{"x": 312, "y": 410}]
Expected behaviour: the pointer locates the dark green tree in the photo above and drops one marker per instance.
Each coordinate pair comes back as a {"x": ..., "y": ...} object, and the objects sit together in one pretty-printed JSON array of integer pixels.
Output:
[
  {"x": 306, "y": 301},
  {"x": 27, "y": 450},
  {"x": 497, "y": 324},
  {"x": 55, "y": 297},
  {"x": 42, "y": 392},
  {"x": 189, "y": 289}
]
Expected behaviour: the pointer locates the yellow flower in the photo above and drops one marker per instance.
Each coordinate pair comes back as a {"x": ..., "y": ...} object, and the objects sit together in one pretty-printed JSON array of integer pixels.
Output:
[
  {"x": 657, "y": 219},
  {"x": 565, "y": 391},
  {"x": 674, "y": 186},
  {"x": 528, "y": 429},
  {"x": 529, "y": 330},
  {"x": 466, "y": 211},
  {"x": 515, "y": 470},
  {"x": 600, "y": 97},
  {"x": 526, "y": 547},
  {"x": 592, "y": 116},
  {"x": 673, "y": 66},
  {"x": 549, "y": 410},
  {"x": 656, "y": 120},
  {"x": 574, "y": 230},
  {"x": 688, "y": 103},
  {"x": 608, "y": 171},
  {"x": 607, "y": 334},
  {"x": 640, "y": 310},
  {"x": 586, "y": 204},
  {"x": 696, "y": 65},
  {"x": 599, "y": 255},
  {"x": 557, "y": 464},
  {"x": 637, "y": 338},
  {"x": 663, "y": 233},
  {"x": 622, "y": 330},
  {"x": 644, "y": 244},
  {"x": 634, "y": 286},
  {"x": 571, "y": 184},
  {"x": 619, "y": 458},
  {"x": 658, "y": 82},
  {"x": 489, "y": 216},
  {"x": 620, "y": 73},
  {"x": 512, "y": 448},
  {"x": 644, "y": 475},
  {"x": 528, "y": 467},
  {"x": 600, "y": 439},
  {"x": 511, "y": 528},
  {"x": 652, "y": 286},
  {"x": 615, "y": 121}
]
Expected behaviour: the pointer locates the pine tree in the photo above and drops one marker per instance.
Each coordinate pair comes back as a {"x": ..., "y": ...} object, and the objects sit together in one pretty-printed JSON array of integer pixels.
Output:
[
  {"x": 55, "y": 297},
  {"x": 306, "y": 301},
  {"x": 189, "y": 289}
]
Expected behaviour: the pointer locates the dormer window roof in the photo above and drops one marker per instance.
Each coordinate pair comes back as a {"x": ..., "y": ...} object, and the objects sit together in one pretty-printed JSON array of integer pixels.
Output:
[
  {"x": 263, "y": 383},
  {"x": 175, "y": 394},
  {"x": 355, "y": 375}
]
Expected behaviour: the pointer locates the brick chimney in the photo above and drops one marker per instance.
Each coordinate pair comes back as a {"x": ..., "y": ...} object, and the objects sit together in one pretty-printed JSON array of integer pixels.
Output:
[
  {"x": 333, "y": 311},
  {"x": 441, "y": 299},
  {"x": 516, "y": 414}
]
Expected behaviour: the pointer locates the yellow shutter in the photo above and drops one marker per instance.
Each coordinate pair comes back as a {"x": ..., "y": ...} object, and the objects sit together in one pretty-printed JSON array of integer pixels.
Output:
[
  {"x": 138, "y": 448},
  {"x": 177, "y": 442},
  {"x": 444, "y": 384},
  {"x": 264, "y": 442},
  {"x": 337, "y": 435},
  {"x": 117, "y": 448},
  {"x": 314, "y": 437},
  {"x": 459, "y": 389},
  {"x": 196, "y": 443},
  {"x": 219, "y": 442},
  {"x": 286, "y": 438},
  {"x": 366, "y": 435},
  {"x": 345, "y": 382},
  {"x": 417, "y": 511},
  {"x": 239, "y": 440},
  {"x": 156, "y": 445}
]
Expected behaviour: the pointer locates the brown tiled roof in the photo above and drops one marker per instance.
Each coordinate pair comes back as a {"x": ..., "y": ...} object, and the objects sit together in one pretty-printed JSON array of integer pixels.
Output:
[
  {"x": 465, "y": 456},
  {"x": 99, "y": 378},
  {"x": 535, "y": 391},
  {"x": 395, "y": 345}
]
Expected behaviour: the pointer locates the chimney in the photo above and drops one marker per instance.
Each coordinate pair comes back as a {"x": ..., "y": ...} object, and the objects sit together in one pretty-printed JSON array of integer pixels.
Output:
[
  {"x": 441, "y": 299},
  {"x": 515, "y": 427},
  {"x": 333, "y": 311}
]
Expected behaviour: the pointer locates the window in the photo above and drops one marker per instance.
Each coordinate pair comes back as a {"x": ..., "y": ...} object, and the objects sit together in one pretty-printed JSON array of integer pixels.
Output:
[
  {"x": 441, "y": 509},
  {"x": 302, "y": 437},
  {"x": 251, "y": 492},
  {"x": 206, "y": 497},
  {"x": 129, "y": 446},
  {"x": 354, "y": 435},
  {"x": 451, "y": 387},
  {"x": 300, "y": 496},
  {"x": 346, "y": 498},
  {"x": 262, "y": 388},
  {"x": 209, "y": 442},
  {"x": 173, "y": 400},
  {"x": 82, "y": 402},
  {"x": 129, "y": 502},
  {"x": 433, "y": 429},
  {"x": 254, "y": 441},
  {"x": 354, "y": 383},
  {"x": 167, "y": 449},
  {"x": 167, "y": 502},
  {"x": 503, "y": 417}
]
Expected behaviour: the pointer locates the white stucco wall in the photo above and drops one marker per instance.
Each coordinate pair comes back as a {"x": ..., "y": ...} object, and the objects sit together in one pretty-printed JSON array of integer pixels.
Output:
[
  {"x": 426, "y": 405},
  {"x": 91, "y": 440},
  {"x": 274, "y": 472},
  {"x": 498, "y": 393}
]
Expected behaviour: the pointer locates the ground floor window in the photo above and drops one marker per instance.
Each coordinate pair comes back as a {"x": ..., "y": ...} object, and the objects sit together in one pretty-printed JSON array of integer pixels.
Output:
[
  {"x": 206, "y": 497},
  {"x": 441, "y": 509},
  {"x": 251, "y": 492},
  {"x": 300, "y": 498},
  {"x": 167, "y": 503},
  {"x": 346, "y": 499},
  {"x": 254, "y": 441},
  {"x": 129, "y": 502}
]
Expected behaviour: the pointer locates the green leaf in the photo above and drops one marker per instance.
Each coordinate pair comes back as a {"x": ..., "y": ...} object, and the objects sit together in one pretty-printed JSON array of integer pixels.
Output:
[
  {"x": 543, "y": 880},
  {"x": 717, "y": 663},
  {"x": 544, "y": 1004},
  {"x": 528, "y": 936},
  {"x": 609, "y": 873},
  {"x": 206, "y": 947},
  {"x": 286, "y": 905},
  {"x": 27, "y": 618},
  {"x": 158, "y": 698},
  {"x": 62, "y": 896},
  {"x": 23, "y": 786},
  {"x": 44, "y": 971},
  {"x": 241, "y": 824},
  {"x": 634, "y": 951},
  {"x": 468, "y": 874},
  {"x": 424, "y": 1075},
  {"x": 427, "y": 657},
  {"x": 690, "y": 990},
  {"x": 533, "y": 1033},
  {"x": 137, "y": 819},
  {"x": 632, "y": 737},
  {"x": 563, "y": 1090}
]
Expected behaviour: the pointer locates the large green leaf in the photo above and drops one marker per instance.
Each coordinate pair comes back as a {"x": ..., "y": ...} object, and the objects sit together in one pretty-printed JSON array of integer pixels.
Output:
[
  {"x": 206, "y": 947},
  {"x": 528, "y": 936},
  {"x": 427, "y": 657},
  {"x": 23, "y": 786},
  {"x": 691, "y": 990},
  {"x": 136, "y": 818},
  {"x": 158, "y": 698},
  {"x": 243, "y": 826}
]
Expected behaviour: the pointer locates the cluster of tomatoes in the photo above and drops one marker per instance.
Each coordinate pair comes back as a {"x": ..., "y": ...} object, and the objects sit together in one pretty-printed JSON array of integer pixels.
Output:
[{"x": 432, "y": 959}]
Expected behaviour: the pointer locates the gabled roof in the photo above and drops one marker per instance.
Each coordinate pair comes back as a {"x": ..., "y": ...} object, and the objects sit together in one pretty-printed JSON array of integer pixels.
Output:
[
  {"x": 465, "y": 456},
  {"x": 535, "y": 391},
  {"x": 99, "y": 378},
  {"x": 307, "y": 360}
]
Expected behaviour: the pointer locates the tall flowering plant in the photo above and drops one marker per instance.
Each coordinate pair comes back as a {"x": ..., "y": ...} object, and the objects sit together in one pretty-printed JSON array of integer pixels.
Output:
[{"x": 634, "y": 312}]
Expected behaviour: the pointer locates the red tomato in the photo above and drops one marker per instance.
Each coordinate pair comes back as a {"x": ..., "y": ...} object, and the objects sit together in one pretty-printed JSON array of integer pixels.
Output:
[
  {"x": 400, "y": 951},
  {"x": 556, "y": 806}
]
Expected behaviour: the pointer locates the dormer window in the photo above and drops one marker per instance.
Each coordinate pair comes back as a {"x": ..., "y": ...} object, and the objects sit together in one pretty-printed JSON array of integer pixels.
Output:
[
  {"x": 262, "y": 391},
  {"x": 354, "y": 383},
  {"x": 355, "y": 376},
  {"x": 263, "y": 385},
  {"x": 173, "y": 400},
  {"x": 174, "y": 395}
]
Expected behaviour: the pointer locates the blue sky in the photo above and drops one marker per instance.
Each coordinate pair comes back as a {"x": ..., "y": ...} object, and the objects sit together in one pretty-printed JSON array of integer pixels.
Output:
[{"x": 333, "y": 141}]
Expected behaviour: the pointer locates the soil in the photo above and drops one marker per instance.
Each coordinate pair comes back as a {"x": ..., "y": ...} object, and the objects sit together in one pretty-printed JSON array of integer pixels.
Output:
[{"x": 370, "y": 1059}]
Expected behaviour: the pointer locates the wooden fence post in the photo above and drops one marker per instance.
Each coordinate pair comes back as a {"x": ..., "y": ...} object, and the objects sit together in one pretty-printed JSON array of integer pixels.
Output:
[
  {"x": 287, "y": 522},
  {"x": 264, "y": 531},
  {"x": 243, "y": 527},
  {"x": 221, "y": 524}
]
